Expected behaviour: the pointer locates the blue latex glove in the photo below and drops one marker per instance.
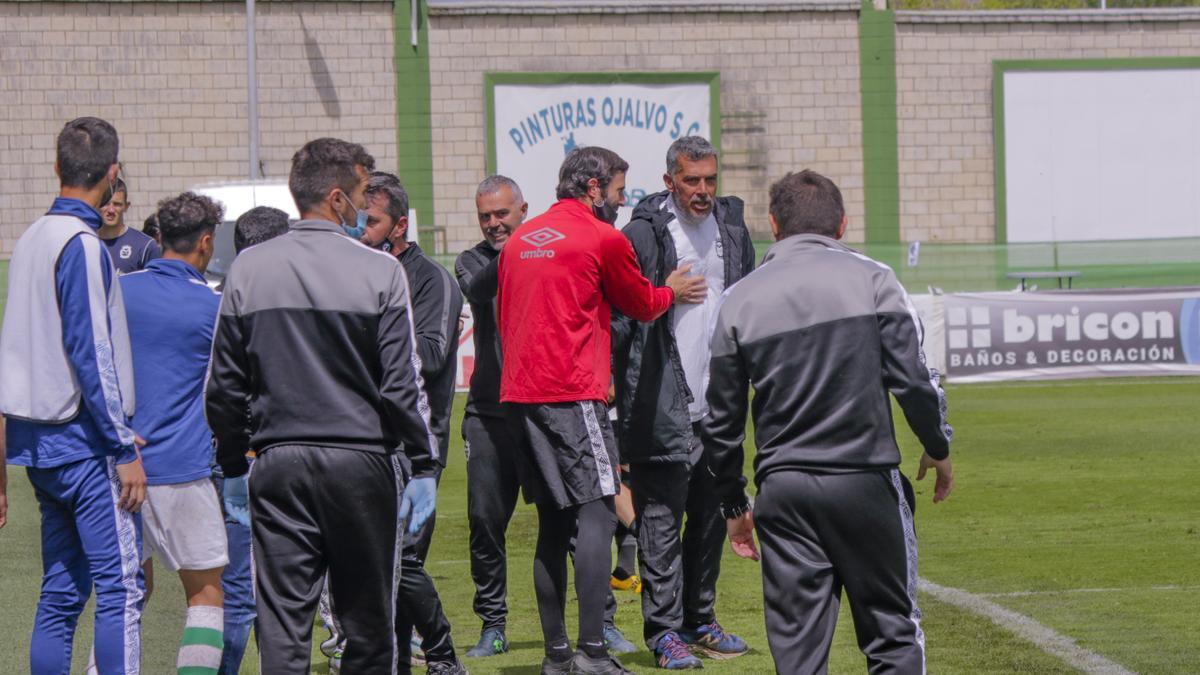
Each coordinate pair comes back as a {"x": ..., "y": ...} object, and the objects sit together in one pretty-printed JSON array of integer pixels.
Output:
[
  {"x": 236, "y": 495},
  {"x": 418, "y": 503}
]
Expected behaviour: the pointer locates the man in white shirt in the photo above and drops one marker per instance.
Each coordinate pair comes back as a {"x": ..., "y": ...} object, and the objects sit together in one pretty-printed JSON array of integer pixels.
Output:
[{"x": 661, "y": 372}]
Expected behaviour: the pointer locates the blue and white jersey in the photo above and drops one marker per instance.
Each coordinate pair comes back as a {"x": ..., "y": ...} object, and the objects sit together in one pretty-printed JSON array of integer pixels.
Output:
[
  {"x": 132, "y": 251},
  {"x": 67, "y": 388},
  {"x": 171, "y": 313}
]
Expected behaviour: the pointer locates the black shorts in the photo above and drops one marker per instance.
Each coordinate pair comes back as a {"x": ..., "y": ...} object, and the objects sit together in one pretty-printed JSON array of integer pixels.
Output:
[{"x": 569, "y": 452}]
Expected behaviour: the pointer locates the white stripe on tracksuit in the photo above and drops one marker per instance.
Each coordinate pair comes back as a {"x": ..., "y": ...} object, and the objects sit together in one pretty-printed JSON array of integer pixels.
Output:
[
  {"x": 608, "y": 485},
  {"x": 126, "y": 526},
  {"x": 910, "y": 554},
  {"x": 102, "y": 335}
]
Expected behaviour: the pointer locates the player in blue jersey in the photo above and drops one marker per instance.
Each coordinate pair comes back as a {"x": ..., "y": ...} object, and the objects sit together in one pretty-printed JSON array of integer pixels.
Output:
[
  {"x": 67, "y": 394},
  {"x": 171, "y": 313},
  {"x": 129, "y": 249}
]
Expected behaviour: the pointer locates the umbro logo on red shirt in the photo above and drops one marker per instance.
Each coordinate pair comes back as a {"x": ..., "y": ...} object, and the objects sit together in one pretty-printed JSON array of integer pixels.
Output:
[{"x": 540, "y": 237}]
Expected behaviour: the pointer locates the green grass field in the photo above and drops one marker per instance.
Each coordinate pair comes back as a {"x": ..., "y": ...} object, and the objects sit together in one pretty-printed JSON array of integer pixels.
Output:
[{"x": 1076, "y": 505}]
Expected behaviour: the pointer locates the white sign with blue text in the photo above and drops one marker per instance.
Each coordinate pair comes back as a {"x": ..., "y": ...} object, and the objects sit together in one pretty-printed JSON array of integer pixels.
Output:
[{"x": 535, "y": 126}]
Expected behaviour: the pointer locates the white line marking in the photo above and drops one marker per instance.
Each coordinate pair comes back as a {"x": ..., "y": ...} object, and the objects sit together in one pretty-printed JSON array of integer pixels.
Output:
[
  {"x": 1023, "y": 594},
  {"x": 1026, "y": 628},
  {"x": 1096, "y": 382}
]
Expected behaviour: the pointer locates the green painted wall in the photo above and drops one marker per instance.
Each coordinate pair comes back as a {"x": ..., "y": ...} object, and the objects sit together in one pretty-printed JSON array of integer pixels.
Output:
[
  {"x": 414, "y": 121},
  {"x": 881, "y": 164}
]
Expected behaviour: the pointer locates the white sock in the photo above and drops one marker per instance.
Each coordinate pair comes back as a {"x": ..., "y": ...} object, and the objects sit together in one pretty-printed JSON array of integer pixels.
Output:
[{"x": 203, "y": 641}]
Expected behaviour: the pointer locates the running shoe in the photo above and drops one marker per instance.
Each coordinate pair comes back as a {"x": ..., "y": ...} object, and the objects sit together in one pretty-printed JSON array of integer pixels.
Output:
[
  {"x": 712, "y": 641},
  {"x": 673, "y": 654},
  {"x": 583, "y": 664},
  {"x": 491, "y": 642},
  {"x": 615, "y": 640}
]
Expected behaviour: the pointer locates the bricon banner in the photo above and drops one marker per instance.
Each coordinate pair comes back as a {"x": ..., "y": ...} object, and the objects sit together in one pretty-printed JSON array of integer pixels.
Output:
[
  {"x": 1030, "y": 336},
  {"x": 535, "y": 119}
]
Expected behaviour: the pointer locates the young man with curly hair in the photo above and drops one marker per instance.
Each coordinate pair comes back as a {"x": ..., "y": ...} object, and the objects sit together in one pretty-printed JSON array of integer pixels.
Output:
[{"x": 171, "y": 313}]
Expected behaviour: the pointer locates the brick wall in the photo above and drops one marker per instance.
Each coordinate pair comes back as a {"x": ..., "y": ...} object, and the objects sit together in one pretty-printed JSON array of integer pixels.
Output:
[
  {"x": 944, "y": 101},
  {"x": 171, "y": 77},
  {"x": 789, "y": 92}
]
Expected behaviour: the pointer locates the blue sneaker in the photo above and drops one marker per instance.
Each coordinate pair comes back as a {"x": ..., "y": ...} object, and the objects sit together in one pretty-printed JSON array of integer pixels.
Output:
[
  {"x": 491, "y": 643},
  {"x": 673, "y": 654},
  {"x": 615, "y": 640},
  {"x": 712, "y": 641}
]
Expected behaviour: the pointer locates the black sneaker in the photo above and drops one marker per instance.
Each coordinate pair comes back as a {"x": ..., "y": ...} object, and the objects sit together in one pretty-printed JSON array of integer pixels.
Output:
[
  {"x": 447, "y": 668},
  {"x": 553, "y": 666},
  {"x": 583, "y": 664}
]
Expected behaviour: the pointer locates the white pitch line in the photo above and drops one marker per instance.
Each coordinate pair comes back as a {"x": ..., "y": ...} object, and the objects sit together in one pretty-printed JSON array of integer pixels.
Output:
[
  {"x": 1023, "y": 594},
  {"x": 1026, "y": 628}
]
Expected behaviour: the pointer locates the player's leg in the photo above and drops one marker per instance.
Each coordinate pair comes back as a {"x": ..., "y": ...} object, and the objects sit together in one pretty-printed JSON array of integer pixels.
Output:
[
  {"x": 188, "y": 535},
  {"x": 358, "y": 497},
  {"x": 491, "y": 498},
  {"x": 597, "y": 521},
  {"x": 237, "y": 589},
  {"x": 874, "y": 547},
  {"x": 203, "y": 639},
  {"x": 703, "y": 544},
  {"x": 801, "y": 590},
  {"x": 555, "y": 528},
  {"x": 289, "y": 557},
  {"x": 418, "y": 605},
  {"x": 66, "y": 581},
  {"x": 659, "y": 498}
]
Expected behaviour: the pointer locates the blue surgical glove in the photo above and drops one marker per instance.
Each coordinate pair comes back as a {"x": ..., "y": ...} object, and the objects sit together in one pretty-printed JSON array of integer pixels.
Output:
[
  {"x": 236, "y": 495},
  {"x": 418, "y": 502}
]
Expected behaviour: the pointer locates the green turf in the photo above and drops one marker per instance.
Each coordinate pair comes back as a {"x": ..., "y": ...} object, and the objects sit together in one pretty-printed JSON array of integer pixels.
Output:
[{"x": 1076, "y": 505}]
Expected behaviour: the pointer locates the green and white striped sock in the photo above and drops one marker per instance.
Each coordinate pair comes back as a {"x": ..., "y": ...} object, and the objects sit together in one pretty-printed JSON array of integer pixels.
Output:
[{"x": 203, "y": 640}]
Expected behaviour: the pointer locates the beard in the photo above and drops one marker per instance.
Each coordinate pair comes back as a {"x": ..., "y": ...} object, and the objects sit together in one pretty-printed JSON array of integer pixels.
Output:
[{"x": 689, "y": 217}]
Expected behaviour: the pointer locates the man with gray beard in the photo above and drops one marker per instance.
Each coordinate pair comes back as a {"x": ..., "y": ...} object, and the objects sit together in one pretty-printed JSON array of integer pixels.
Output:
[{"x": 661, "y": 372}]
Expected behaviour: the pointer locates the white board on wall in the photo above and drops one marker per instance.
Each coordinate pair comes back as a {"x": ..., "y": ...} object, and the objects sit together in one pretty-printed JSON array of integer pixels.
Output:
[
  {"x": 536, "y": 118},
  {"x": 1101, "y": 154}
]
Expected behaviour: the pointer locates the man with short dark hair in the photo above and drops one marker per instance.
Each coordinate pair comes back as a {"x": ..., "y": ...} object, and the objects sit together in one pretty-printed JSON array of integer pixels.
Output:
[
  {"x": 315, "y": 336},
  {"x": 492, "y": 480},
  {"x": 253, "y": 227},
  {"x": 560, "y": 276},
  {"x": 171, "y": 313},
  {"x": 825, "y": 333},
  {"x": 129, "y": 249},
  {"x": 67, "y": 392},
  {"x": 436, "y": 306},
  {"x": 661, "y": 371},
  {"x": 257, "y": 225}
]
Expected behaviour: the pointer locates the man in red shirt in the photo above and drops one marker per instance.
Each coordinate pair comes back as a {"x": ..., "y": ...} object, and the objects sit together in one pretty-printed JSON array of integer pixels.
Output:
[{"x": 560, "y": 275}]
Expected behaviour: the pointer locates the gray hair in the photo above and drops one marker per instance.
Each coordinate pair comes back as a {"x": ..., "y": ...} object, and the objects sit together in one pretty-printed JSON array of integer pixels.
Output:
[
  {"x": 495, "y": 182},
  {"x": 694, "y": 148},
  {"x": 388, "y": 185}
]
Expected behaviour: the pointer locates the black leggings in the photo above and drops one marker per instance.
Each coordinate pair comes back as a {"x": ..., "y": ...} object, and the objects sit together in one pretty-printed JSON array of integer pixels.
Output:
[{"x": 593, "y": 525}]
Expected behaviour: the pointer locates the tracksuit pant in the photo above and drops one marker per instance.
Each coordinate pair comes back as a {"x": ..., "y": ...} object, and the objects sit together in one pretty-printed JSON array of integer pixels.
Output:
[
  {"x": 679, "y": 565},
  {"x": 822, "y": 533},
  {"x": 492, "y": 490},
  {"x": 418, "y": 604},
  {"x": 87, "y": 542},
  {"x": 238, "y": 586},
  {"x": 316, "y": 510}
]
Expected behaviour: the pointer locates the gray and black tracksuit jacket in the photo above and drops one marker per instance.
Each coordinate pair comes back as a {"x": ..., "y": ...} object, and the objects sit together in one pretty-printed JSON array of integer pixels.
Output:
[
  {"x": 316, "y": 337},
  {"x": 823, "y": 333},
  {"x": 652, "y": 392},
  {"x": 436, "y": 306}
]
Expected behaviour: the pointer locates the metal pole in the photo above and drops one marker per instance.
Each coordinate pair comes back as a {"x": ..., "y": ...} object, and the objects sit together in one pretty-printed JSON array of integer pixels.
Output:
[{"x": 252, "y": 86}]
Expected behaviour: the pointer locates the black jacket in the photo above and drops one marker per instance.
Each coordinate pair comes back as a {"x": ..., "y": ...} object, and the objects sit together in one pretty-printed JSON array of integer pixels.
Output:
[
  {"x": 436, "y": 306},
  {"x": 652, "y": 393},
  {"x": 315, "y": 340},
  {"x": 476, "y": 270}
]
